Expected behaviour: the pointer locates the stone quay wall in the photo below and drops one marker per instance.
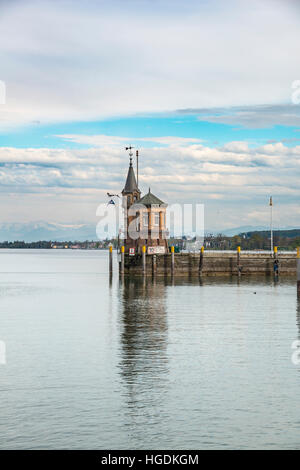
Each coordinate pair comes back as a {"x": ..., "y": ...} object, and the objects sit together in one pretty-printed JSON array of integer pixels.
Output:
[{"x": 213, "y": 263}]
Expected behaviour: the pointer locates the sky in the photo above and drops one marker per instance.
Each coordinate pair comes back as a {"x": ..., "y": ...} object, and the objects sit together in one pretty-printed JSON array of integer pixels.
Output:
[{"x": 208, "y": 91}]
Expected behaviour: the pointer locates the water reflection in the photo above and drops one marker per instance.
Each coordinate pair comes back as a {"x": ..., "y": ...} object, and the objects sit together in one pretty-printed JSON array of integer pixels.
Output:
[
  {"x": 143, "y": 338},
  {"x": 143, "y": 363}
]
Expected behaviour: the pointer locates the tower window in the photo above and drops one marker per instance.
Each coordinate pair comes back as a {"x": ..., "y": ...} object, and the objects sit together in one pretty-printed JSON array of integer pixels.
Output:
[
  {"x": 156, "y": 219},
  {"x": 145, "y": 219}
]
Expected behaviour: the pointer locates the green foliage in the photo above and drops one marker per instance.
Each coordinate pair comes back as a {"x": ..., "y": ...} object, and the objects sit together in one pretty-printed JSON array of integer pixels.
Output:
[{"x": 285, "y": 240}]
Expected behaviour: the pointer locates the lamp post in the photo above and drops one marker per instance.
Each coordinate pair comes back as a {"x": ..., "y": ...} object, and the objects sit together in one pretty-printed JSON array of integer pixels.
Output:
[{"x": 271, "y": 223}]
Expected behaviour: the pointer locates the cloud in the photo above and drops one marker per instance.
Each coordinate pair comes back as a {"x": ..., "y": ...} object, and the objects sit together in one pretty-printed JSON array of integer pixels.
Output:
[
  {"x": 251, "y": 117},
  {"x": 73, "y": 60},
  {"x": 231, "y": 180},
  {"x": 105, "y": 140}
]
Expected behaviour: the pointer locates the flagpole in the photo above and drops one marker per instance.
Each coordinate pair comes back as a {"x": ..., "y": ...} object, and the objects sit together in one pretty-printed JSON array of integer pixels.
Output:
[{"x": 271, "y": 224}]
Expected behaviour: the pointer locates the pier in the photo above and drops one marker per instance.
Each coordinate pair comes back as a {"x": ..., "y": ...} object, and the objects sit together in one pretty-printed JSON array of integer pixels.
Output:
[
  {"x": 209, "y": 263},
  {"x": 145, "y": 251}
]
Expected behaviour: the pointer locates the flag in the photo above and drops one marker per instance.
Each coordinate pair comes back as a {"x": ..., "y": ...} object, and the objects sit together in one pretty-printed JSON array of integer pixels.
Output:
[{"x": 271, "y": 201}]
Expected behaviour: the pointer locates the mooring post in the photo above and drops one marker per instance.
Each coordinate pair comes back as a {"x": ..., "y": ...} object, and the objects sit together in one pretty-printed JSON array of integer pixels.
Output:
[
  {"x": 298, "y": 271},
  {"x": 110, "y": 259},
  {"x": 122, "y": 259},
  {"x": 239, "y": 260},
  {"x": 276, "y": 263},
  {"x": 172, "y": 260},
  {"x": 144, "y": 258},
  {"x": 201, "y": 259}
]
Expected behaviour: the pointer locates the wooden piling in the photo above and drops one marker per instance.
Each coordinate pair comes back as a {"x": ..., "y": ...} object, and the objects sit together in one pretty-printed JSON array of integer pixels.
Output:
[
  {"x": 276, "y": 262},
  {"x": 122, "y": 259},
  {"x": 298, "y": 271},
  {"x": 201, "y": 260},
  {"x": 110, "y": 260},
  {"x": 239, "y": 269},
  {"x": 144, "y": 258},
  {"x": 172, "y": 260}
]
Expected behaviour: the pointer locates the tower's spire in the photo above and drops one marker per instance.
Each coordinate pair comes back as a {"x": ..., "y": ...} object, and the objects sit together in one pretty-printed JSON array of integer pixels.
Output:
[{"x": 131, "y": 184}]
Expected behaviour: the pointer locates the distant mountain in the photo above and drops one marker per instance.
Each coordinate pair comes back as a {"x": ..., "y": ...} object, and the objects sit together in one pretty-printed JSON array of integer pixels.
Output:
[
  {"x": 30, "y": 232},
  {"x": 36, "y": 231},
  {"x": 243, "y": 229}
]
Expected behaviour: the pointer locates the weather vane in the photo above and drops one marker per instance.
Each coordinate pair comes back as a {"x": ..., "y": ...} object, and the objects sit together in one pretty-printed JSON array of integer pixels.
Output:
[{"x": 130, "y": 152}]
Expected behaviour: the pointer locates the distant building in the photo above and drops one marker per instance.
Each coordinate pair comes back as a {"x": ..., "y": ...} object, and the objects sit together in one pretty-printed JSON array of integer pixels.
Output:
[{"x": 145, "y": 218}]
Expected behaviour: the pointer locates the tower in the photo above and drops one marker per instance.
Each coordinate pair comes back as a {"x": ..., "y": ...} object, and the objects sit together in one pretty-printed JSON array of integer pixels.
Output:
[
  {"x": 131, "y": 195},
  {"x": 145, "y": 218}
]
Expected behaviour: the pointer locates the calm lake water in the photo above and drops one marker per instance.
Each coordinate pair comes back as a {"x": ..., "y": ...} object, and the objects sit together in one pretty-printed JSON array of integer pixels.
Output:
[{"x": 132, "y": 365}]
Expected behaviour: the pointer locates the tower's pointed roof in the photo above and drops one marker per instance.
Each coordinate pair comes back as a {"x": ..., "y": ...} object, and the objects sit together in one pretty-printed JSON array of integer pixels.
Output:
[
  {"x": 149, "y": 199},
  {"x": 131, "y": 184}
]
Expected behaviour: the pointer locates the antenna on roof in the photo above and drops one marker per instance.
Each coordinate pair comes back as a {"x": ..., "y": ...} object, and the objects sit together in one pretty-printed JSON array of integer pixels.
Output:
[{"x": 137, "y": 167}]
